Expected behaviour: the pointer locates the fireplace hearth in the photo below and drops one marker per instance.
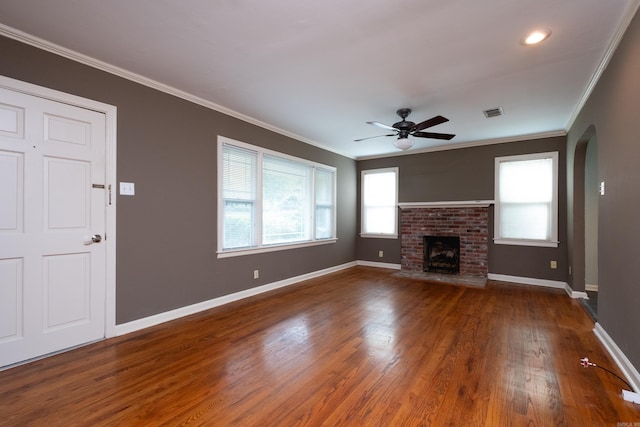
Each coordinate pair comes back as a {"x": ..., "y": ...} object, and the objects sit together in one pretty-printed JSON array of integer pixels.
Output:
[{"x": 442, "y": 254}]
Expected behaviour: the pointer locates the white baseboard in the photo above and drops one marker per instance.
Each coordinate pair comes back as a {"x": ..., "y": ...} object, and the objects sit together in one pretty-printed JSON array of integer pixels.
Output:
[
  {"x": 630, "y": 372},
  {"x": 379, "y": 264},
  {"x": 591, "y": 288},
  {"x": 167, "y": 316},
  {"x": 575, "y": 294},
  {"x": 538, "y": 282}
]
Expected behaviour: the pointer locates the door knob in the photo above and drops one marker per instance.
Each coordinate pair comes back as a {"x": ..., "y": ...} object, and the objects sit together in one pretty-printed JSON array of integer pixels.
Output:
[{"x": 96, "y": 238}]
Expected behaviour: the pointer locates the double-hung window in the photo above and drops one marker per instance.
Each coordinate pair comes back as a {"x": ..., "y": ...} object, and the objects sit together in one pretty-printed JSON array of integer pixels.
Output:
[
  {"x": 379, "y": 194},
  {"x": 526, "y": 196},
  {"x": 269, "y": 200}
]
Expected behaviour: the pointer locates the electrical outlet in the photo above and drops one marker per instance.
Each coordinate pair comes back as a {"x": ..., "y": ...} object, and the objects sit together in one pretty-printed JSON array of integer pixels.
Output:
[
  {"x": 380, "y": 254},
  {"x": 630, "y": 396},
  {"x": 256, "y": 274},
  {"x": 554, "y": 264}
]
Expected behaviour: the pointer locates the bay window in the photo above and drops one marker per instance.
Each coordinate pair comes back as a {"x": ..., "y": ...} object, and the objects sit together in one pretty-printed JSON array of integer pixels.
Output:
[{"x": 269, "y": 200}]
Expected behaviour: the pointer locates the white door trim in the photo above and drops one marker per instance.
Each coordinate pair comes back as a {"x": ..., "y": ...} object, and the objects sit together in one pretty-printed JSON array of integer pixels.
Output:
[{"x": 110, "y": 113}]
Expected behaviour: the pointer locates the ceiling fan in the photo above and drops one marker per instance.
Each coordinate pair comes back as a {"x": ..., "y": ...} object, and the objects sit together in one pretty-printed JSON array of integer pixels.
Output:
[{"x": 404, "y": 129}]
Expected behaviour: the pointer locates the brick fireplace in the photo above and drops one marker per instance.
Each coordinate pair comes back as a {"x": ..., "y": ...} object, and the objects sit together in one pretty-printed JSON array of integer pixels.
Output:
[{"x": 468, "y": 221}]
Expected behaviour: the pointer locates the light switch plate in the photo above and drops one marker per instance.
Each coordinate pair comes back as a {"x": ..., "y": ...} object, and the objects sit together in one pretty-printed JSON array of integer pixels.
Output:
[{"x": 127, "y": 189}]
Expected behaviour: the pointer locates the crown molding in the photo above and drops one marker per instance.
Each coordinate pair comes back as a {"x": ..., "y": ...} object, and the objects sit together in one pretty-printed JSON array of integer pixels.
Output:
[
  {"x": 627, "y": 17},
  {"x": 39, "y": 43},
  {"x": 447, "y": 204}
]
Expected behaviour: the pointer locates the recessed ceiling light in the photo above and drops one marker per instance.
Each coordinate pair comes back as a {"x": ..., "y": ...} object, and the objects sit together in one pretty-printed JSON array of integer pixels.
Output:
[{"x": 536, "y": 37}]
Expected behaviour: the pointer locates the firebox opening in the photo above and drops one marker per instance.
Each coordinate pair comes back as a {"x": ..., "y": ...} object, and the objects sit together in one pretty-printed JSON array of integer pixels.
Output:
[{"x": 442, "y": 254}]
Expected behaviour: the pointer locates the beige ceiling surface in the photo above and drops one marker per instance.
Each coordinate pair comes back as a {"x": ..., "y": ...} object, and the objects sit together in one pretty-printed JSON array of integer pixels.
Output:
[{"x": 319, "y": 70}]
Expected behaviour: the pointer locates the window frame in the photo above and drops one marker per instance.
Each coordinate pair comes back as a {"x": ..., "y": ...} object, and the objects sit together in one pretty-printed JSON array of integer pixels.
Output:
[
  {"x": 259, "y": 246},
  {"x": 363, "y": 173},
  {"x": 553, "y": 239}
]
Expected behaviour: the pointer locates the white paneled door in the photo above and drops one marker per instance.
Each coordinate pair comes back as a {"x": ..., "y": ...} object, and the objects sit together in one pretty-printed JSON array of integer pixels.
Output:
[{"x": 52, "y": 223}]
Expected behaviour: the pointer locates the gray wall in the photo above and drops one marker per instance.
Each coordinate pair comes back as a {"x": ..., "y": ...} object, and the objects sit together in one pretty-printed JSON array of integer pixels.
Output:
[
  {"x": 166, "y": 233},
  {"x": 612, "y": 111},
  {"x": 468, "y": 174}
]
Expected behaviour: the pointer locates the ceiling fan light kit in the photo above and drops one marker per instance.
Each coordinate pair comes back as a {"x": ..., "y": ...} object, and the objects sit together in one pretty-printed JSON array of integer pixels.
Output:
[
  {"x": 403, "y": 143},
  {"x": 405, "y": 128}
]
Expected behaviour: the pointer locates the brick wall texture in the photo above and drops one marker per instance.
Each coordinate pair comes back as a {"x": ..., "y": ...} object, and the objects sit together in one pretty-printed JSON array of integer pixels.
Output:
[{"x": 470, "y": 224}]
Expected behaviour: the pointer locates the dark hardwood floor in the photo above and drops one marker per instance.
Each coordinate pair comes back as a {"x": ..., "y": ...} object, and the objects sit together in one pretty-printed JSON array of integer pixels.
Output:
[{"x": 357, "y": 347}]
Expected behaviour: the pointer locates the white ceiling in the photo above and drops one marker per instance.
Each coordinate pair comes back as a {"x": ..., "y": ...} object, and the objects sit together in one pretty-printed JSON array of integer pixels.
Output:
[{"x": 319, "y": 70}]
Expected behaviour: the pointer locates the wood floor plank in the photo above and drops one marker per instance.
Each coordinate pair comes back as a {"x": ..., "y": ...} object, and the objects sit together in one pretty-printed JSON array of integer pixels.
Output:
[{"x": 357, "y": 347}]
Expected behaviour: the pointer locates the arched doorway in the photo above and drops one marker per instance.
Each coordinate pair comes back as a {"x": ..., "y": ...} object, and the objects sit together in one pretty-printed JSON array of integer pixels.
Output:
[{"x": 585, "y": 218}]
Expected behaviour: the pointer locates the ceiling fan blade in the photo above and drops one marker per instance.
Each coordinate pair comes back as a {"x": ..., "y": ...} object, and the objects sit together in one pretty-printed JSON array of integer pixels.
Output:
[
  {"x": 433, "y": 135},
  {"x": 382, "y": 125},
  {"x": 430, "y": 122},
  {"x": 371, "y": 137}
]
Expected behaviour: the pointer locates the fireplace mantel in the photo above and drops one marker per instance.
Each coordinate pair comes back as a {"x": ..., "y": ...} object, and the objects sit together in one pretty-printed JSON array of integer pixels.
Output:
[{"x": 447, "y": 204}]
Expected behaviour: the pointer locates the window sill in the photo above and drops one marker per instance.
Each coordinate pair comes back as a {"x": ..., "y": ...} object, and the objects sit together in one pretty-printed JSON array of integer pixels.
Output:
[
  {"x": 379, "y": 236},
  {"x": 282, "y": 247},
  {"x": 527, "y": 242}
]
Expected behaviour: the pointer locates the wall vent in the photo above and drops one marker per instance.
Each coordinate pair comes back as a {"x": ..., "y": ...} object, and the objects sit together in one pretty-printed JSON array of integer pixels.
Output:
[{"x": 493, "y": 112}]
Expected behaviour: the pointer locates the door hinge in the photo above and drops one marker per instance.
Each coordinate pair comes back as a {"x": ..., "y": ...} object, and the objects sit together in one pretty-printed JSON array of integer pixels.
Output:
[{"x": 109, "y": 194}]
